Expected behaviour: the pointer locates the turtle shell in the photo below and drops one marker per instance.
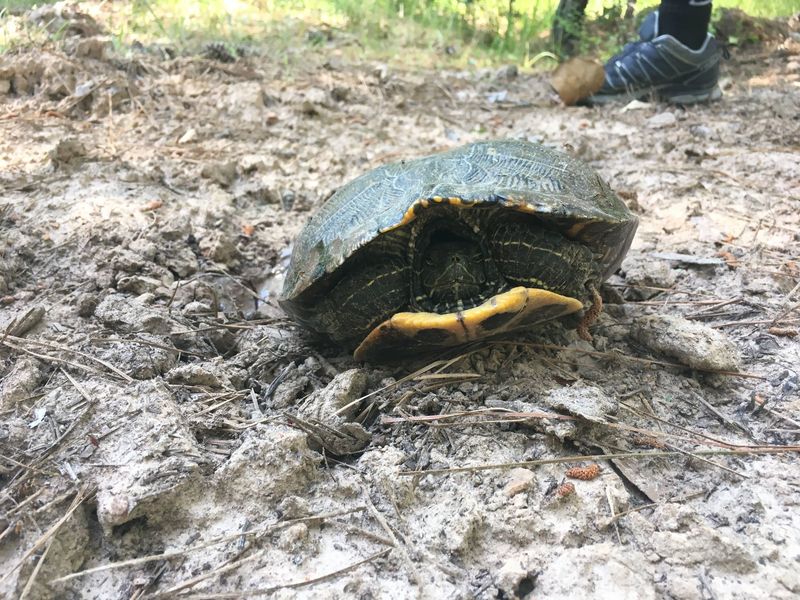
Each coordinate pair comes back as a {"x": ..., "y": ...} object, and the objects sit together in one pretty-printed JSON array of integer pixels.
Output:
[{"x": 560, "y": 190}]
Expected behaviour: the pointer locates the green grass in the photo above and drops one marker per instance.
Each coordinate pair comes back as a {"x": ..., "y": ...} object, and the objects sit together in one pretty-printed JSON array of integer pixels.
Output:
[{"x": 420, "y": 32}]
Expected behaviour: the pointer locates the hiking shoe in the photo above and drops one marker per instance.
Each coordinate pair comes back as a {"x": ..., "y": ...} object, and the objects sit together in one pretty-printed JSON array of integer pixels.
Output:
[{"x": 663, "y": 67}]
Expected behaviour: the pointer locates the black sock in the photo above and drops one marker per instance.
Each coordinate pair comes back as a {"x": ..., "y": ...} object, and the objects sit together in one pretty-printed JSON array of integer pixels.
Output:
[{"x": 685, "y": 20}]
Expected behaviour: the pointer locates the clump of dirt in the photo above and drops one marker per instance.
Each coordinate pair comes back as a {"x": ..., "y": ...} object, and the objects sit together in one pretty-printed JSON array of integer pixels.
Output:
[{"x": 167, "y": 430}]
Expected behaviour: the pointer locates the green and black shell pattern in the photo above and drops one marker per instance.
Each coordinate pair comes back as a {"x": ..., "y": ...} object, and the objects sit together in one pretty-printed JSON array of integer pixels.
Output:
[{"x": 521, "y": 176}]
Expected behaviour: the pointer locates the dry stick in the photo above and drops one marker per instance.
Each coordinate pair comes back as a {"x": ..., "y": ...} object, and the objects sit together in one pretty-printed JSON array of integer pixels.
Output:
[
  {"x": 613, "y": 520},
  {"x": 649, "y": 361},
  {"x": 469, "y": 413},
  {"x": 107, "y": 365},
  {"x": 710, "y": 440},
  {"x": 400, "y": 547},
  {"x": 28, "y": 467},
  {"x": 703, "y": 311},
  {"x": 226, "y": 538},
  {"x": 707, "y": 461},
  {"x": 400, "y": 381},
  {"x": 572, "y": 459},
  {"x": 24, "y": 503},
  {"x": 625, "y": 513},
  {"x": 47, "y": 357},
  {"x": 84, "y": 493},
  {"x": 729, "y": 422},
  {"x": 146, "y": 343},
  {"x": 291, "y": 585},
  {"x": 35, "y": 573},
  {"x": 78, "y": 386},
  {"x": 749, "y": 322},
  {"x": 228, "y": 565}
]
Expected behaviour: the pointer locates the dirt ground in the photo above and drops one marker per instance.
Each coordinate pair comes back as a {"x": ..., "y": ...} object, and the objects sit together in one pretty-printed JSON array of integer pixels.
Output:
[{"x": 165, "y": 431}]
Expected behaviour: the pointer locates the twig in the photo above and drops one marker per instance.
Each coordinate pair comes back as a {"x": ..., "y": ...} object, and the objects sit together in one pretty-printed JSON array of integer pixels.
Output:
[
  {"x": 705, "y": 460},
  {"x": 228, "y": 565},
  {"x": 81, "y": 390},
  {"x": 146, "y": 343},
  {"x": 625, "y": 513},
  {"x": 107, "y": 365},
  {"x": 572, "y": 459},
  {"x": 36, "y": 570},
  {"x": 613, "y": 520},
  {"x": 469, "y": 413},
  {"x": 290, "y": 585},
  {"x": 401, "y": 548},
  {"x": 173, "y": 553},
  {"x": 84, "y": 493},
  {"x": 616, "y": 355}
]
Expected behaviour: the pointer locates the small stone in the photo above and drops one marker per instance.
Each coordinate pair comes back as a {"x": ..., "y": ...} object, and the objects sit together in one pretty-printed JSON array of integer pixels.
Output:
[
  {"x": 338, "y": 394},
  {"x": 293, "y": 536},
  {"x": 86, "y": 305},
  {"x": 25, "y": 376},
  {"x": 588, "y": 402},
  {"x": 293, "y": 507},
  {"x": 761, "y": 286},
  {"x": 189, "y": 136},
  {"x": 519, "y": 481},
  {"x": 67, "y": 151},
  {"x": 692, "y": 344},
  {"x": 646, "y": 277},
  {"x": 222, "y": 173},
  {"x": 5, "y": 86},
  {"x": 661, "y": 120}
]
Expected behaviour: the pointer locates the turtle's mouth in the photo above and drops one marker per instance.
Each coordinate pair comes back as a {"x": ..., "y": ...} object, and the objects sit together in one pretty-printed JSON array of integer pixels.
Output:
[{"x": 453, "y": 269}]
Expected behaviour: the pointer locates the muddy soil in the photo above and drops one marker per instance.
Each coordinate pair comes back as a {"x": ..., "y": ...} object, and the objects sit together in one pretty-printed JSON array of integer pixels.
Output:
[{"x": 166, "y": 431}]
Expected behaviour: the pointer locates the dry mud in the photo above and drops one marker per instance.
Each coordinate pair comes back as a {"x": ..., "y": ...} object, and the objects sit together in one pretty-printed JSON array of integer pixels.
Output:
[{"x": 164, "y": 427}]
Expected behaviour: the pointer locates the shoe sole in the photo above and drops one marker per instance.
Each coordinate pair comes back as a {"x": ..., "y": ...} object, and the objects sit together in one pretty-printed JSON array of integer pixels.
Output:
[{"x": 671, "y": 95}]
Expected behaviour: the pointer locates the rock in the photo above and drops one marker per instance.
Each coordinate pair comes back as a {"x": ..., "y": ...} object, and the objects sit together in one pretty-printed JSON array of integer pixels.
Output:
[
  {"x": 67, "y": 550},
  {"x": 597, "y": 571},
  {"x": 213, "y": 373},
  {"x": 156, "y": 451},
  {"x": 761, "y": 286},
  {"x": 692, "y": 344},
  {"x": 69, "y": 151},
  {"x": 219, "y": 247},
  {"x": 121, "y": 313},
  {"x": 86, "y": 304},
  {"x": 222, "y": 173},
  {"x": 273, "y": 462},
  {"x": 587, "y": 402},
  {"x": 515, "y": 579},
  {"x": 341, "y": 391},
  {"x": 507, "y": 72},
  {"x": 24, "y": 378},
  {"x": 662, "y": 120},
  {"x": 188, "y": 136},
  {"x": 645, "y": 274},
  {"x": 519, "y": 481},
  {"x": 97, "y": 48}
]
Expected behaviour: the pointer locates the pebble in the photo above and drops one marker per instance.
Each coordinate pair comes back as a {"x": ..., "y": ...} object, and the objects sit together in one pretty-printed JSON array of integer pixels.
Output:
[{"x": 661, "y": 120}]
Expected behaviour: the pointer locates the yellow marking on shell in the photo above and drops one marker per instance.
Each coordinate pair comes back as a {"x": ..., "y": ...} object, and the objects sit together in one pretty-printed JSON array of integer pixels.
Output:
[
  {"x": 515, "y": 308},
  {"x": 573, "y": 231},
  {"x": 411, "y": 212}
]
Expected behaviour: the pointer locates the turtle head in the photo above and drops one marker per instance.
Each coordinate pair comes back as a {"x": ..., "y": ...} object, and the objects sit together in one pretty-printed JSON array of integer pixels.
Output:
[
  {"x": 452, "y": 272},
  {"x": 452, "y": 267}
]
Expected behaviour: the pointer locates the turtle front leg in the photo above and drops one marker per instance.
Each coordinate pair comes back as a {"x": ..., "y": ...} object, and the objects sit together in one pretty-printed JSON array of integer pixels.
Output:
[
  {"x": 590, "y": 316},
  {"x": 365, "y": 297}
]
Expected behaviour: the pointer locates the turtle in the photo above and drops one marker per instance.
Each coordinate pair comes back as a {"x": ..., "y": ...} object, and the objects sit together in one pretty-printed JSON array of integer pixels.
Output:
[{"x": 439, "y": 251}]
